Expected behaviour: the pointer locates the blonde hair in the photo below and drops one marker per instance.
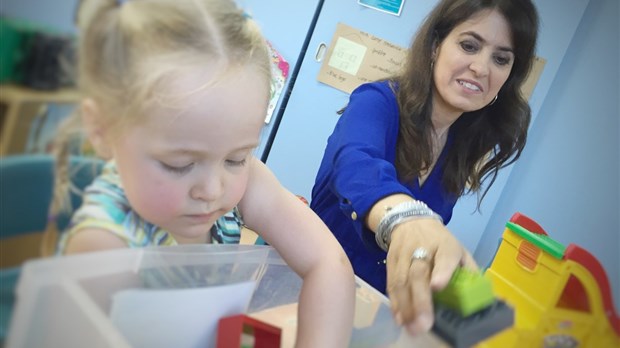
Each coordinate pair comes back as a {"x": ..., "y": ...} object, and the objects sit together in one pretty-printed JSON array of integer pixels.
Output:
[{"x": 128, "y": 49}]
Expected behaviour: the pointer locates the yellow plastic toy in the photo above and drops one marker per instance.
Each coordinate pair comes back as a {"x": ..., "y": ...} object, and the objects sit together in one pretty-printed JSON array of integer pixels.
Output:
[{"x": 561, "y": 295}]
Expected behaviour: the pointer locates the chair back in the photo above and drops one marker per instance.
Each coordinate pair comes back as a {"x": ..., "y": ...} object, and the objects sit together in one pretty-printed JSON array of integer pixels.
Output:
[{"x": 26, "y": 186}]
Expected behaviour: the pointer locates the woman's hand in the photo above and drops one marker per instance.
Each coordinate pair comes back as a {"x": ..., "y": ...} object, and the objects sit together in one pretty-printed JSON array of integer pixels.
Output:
[{"x": 411, "y": 279}]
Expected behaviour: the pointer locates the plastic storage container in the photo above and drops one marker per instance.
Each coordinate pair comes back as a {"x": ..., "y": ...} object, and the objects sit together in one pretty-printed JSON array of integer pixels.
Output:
[{"x": 65, "y": 302}]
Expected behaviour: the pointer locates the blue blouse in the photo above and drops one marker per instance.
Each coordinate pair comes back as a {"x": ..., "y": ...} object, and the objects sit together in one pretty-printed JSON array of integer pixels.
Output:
[{"x": 358, "y": 169}]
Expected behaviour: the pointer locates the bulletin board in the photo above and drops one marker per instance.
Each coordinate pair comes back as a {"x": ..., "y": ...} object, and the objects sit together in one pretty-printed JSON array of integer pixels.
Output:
[{"x": 355, "y": 57}]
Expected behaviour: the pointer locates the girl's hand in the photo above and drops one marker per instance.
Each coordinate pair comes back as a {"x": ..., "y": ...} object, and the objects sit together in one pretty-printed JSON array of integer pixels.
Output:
[
  {"x": 411, "y": 279},
  {"x": 327, "y": 298}
]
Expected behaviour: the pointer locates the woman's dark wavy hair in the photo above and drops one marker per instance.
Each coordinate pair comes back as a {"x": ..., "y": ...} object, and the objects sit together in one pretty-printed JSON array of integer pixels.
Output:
[{"x": 485, "y": 140}]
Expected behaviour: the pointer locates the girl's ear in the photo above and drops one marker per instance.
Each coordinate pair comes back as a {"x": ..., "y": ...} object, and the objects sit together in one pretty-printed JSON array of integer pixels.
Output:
[{"x": 92, "y": 119}]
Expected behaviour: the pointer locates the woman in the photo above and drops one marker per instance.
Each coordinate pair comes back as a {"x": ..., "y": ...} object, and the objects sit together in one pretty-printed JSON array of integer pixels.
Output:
[{"x": 405, "y": 149}]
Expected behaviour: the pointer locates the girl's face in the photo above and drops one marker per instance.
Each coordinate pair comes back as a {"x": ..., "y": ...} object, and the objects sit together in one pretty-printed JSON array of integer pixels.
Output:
[
  {"x": 185, "y": 167},
  {"x": 472, "y": 63}
]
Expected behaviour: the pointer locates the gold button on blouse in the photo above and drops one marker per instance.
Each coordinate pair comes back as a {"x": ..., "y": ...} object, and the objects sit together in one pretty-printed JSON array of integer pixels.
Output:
[{"x": 354, "y": 215}]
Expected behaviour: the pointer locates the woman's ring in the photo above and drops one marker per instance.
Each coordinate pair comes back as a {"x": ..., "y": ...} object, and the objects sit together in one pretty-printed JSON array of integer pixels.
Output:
[{"x": 419, "y": 254}]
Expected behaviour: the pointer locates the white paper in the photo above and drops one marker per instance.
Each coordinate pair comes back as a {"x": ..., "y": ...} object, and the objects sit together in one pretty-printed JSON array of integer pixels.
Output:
[
  {"x": 347, "y": 56},
  {"x": 180, "y": 318}
]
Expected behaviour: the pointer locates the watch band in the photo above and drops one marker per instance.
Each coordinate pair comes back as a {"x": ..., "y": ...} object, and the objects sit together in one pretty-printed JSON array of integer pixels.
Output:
[{"x": 398, "y": 214}]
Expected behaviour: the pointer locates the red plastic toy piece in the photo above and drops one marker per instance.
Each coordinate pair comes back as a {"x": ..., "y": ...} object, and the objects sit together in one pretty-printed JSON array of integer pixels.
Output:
[
  {"x": 230, "y": 330},
  {"x": 590, "y": 262},
  {"x": 527, "y": 223}
]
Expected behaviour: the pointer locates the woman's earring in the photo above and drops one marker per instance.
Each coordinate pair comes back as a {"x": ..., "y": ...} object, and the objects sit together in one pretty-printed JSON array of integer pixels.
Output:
[{"x": 493, "y": 101}]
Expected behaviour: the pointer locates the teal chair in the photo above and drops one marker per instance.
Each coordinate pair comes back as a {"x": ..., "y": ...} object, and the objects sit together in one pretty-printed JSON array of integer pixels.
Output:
[
  {"x": 26, "y": 190},
  {"x": 26, "y": 184}
]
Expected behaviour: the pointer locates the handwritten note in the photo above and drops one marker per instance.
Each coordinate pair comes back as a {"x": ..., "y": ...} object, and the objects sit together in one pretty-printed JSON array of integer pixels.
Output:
[
  {"x": 347, "y": 56},
  {"x": 355, "y": 57}
]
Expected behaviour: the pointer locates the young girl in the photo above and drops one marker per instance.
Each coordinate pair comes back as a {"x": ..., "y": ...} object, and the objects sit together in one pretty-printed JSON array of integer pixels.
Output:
[{"x": 175, "y": 94}]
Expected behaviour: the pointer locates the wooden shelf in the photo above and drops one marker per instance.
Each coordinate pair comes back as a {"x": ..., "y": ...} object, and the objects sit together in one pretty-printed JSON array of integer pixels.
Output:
[{"x": 19, "y": 106}]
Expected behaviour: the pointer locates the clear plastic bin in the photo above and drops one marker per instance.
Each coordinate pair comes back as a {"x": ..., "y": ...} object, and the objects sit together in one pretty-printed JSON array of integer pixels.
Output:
[{"x": 65, "y": 302}]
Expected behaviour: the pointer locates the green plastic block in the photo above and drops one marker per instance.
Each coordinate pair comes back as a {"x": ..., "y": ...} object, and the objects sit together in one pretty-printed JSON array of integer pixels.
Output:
[
  {"x": 467, "y": 292},
  {"x": 546, "y": 243}
]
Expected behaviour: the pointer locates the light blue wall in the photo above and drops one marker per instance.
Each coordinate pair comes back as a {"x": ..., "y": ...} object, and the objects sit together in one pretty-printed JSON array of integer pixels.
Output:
[
  {"x": 55, "y": 14},
  {"x": 568, "y": 177}
]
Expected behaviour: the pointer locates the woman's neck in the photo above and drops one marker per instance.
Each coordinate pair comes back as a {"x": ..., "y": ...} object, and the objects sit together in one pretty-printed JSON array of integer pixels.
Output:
[
  {"x": 443, "y": 121},
  {"x": 439, "y": 136},
  {"x": 443, "y": 116}
]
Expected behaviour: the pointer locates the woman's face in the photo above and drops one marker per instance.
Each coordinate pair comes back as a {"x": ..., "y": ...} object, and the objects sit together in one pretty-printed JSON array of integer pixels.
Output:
[{"x": 472, "y": 63}]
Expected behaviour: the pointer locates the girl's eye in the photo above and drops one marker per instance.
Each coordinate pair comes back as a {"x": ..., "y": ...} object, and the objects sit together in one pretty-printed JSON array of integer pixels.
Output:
[
  {"x": 468, "y": 46},
  {"x": 502, "y": 60},
  {"x": 177, "y": 170},
  {"x": 236, "y": 163}
]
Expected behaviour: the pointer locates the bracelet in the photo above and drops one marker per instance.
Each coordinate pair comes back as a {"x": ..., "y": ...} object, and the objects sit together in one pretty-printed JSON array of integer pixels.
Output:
[{"x": 398, "y": 214}]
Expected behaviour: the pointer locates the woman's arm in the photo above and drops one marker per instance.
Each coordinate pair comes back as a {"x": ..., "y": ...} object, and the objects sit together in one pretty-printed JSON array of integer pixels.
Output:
[
  {"x": 410, "y": 283},
  {"x": 326, "y": 303}
]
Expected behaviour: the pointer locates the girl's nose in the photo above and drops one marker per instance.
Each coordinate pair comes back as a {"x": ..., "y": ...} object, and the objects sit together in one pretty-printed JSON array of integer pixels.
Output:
[{"x": 208, "y": 188}]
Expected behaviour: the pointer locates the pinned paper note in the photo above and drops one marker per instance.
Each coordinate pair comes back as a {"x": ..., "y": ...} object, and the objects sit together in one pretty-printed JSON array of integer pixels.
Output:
[
  {"x": 532, "y": 78},
  {"x": 184, "y": 318},
  {"x": 355, "y": 57},
  {"x": 347, "y": 56}
]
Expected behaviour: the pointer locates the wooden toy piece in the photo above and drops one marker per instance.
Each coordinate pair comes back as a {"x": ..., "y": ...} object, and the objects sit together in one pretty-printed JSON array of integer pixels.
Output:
[
  {"x": 245, "y": 332},
  {"x": 283, "y": 317},
  {"x": 366, "y": 308}
]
